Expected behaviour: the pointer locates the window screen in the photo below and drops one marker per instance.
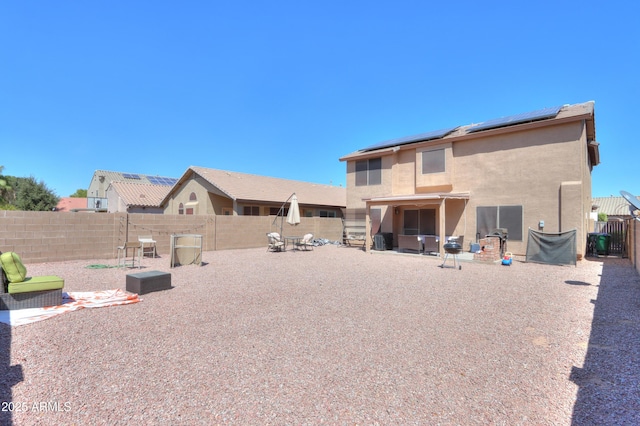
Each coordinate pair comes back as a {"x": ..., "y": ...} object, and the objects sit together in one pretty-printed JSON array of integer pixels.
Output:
[
  {"x": 375, "y": 171},
  {"x": 411, "y": 222},
  {"x": 433, "y": 161},
  {"x": 510, "y": 217},
  {"x": 427, "y": 221},
  {"x": 362, "y": 172},
  {"x": 369, "y": 172},
  {"x": 491, "y": 217}
]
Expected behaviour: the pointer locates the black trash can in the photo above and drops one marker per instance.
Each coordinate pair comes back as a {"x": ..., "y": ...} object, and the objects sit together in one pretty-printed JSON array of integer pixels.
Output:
[{"x": 388, "y": 240}]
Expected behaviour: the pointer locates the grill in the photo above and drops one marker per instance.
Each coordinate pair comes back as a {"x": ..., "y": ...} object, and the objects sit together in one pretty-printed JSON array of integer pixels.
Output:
[
  {"x": 452, "y": 248},
  {"x": 503, "y": 235}
]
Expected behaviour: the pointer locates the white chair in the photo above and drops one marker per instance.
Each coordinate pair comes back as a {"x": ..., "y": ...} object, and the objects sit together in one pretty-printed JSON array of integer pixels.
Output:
[
  {"x": 306, "y": 241},
  {"x": 133, "y": 247},
  {"x": 275, "y": 242},
  {"x": 148, "y": 242}
]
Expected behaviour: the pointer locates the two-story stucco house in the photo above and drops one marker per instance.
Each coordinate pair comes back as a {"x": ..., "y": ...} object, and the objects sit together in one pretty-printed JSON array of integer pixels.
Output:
[{"x": 530, "y": 170}]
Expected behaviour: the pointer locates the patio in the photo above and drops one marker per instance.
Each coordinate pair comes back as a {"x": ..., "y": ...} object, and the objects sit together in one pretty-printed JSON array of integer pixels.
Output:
[{"x": 335, "y": 336}]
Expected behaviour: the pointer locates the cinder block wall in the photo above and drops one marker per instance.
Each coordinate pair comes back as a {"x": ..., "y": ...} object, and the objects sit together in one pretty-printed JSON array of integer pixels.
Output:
[
  {"x": 54, "y": 236},
  {"x": 633, "y": 231}
]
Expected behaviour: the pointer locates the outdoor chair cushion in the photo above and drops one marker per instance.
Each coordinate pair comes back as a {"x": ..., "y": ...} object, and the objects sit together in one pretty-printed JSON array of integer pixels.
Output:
[
  {"x": 13, "y": 267},
  {"x": 47, "y": 282}
]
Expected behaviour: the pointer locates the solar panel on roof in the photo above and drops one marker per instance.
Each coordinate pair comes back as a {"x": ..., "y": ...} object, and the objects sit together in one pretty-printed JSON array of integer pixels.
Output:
[
  {"x": 130, "y": 176},
  {"x": 436, "y": 134},
  {"x": 517, "y": 119},
  {"x": 158, "y": 180}
]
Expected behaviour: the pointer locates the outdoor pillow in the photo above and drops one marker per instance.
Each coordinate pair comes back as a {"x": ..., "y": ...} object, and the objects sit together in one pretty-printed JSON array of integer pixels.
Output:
[{"x": 13, "y": 267}]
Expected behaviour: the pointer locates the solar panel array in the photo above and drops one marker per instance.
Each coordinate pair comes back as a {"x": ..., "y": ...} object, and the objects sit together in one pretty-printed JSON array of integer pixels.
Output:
[
  {"x": 511, "y": 120},
  {"x": 158, "y": 180},
  {"x": 436, "y": 134},
  {"x": 130, "y": 176},
  {"x": 517, "y": 119}
]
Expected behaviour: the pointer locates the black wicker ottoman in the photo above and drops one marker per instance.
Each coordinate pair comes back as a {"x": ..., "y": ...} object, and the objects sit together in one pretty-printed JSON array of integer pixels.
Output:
[
  {"x": 146, "y": 282},
  {"x": 32, "y": 299}
]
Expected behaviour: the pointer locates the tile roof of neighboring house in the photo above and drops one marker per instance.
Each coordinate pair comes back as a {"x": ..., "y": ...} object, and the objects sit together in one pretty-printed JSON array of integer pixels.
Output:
[
  {"x": 546, "y": 116},
  {"x": 249, "y": 187},
  {"x": 141, "y": 194},
  {"x": 612, "y": 206},
  {"x": 66, "y": 204}
]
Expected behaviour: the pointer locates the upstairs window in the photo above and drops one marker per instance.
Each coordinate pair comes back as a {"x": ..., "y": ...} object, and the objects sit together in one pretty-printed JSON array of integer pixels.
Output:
[
  {"x": 369, "y": 172},
  {"x": 251, "y": 211},
  {"x": 433, "y": 161}
]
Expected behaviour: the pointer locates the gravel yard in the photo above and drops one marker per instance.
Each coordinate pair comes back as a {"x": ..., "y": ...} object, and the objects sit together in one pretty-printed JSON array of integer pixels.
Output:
[{"x": 334, "y": 336}]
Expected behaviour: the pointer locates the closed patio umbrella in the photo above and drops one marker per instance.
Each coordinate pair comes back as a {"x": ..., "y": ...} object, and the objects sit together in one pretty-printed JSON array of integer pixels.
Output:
[{"x": 293, "y": 217}]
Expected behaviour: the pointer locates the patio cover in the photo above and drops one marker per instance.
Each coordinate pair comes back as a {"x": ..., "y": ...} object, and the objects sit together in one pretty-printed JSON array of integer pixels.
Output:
[{"x": 430, "y": 198}]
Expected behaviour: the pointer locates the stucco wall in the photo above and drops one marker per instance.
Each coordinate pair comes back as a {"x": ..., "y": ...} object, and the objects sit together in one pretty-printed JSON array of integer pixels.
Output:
[
  {"x": 53, "y": 236},
  {"x": 544, "y": 169}
]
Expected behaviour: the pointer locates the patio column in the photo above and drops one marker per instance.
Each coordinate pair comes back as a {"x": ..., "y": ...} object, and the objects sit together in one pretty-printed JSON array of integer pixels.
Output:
[
  {"x": 441, "y": 228},
  {"x": 367, "y": 228}
]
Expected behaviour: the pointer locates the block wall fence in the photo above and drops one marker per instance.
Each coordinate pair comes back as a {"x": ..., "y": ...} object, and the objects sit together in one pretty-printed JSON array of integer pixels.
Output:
[
  {"x": 54, "y": 236},
  {"x": 633, "y": 243}
]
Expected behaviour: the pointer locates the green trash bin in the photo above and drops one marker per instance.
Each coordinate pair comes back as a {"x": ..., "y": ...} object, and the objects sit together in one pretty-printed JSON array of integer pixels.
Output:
[{"x": 602, "y": 244}]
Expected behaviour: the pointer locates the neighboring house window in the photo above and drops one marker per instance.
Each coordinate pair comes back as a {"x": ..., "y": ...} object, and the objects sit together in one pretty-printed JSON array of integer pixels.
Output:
[
  {"x": 192, "y": 197},
  {"x": 189, "y": 210},
  {"x": 181, "y": 208},
  {"x": 369, "y": 172},
  {"x": 327, "y": 213},
  {"x": 491, "y": 217},
  {"x": 251, "y": 211},
  {"x": 433, "y": 161},
  {"x": 273, "y": 211}
]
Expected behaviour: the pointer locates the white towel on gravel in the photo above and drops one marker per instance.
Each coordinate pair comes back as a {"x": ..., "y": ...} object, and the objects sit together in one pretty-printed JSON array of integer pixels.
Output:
[{"x": 71, "y": 301}]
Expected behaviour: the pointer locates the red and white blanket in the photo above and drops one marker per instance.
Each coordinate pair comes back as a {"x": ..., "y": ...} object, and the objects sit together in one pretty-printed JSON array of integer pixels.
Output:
[{"x": 71, "y": 301}]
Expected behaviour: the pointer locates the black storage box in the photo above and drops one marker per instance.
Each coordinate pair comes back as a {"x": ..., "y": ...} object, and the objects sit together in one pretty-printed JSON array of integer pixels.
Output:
[{"x": 146, "y": 282}]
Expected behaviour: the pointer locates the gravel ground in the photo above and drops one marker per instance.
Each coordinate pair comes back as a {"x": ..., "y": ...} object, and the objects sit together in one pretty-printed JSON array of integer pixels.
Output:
[{"x": 335, "y": 336}]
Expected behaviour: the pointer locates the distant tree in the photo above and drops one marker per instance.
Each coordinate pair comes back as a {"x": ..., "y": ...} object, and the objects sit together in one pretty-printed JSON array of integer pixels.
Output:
[
  {"x": 4, "y": 187},
  {"x": 602, "y": 217},
  {"x": 34, "y": 196},
  {"x": 80, "y": 193}
]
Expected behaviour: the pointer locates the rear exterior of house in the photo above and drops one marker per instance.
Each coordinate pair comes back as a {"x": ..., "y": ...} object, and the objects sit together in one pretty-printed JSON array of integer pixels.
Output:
[{"x": 532, "y": 170}]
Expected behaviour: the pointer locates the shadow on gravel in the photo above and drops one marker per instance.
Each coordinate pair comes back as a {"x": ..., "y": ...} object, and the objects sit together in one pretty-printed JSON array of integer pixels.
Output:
[
  {"x": 10, "y": 375},
  {"x": 609, "y": 381}
]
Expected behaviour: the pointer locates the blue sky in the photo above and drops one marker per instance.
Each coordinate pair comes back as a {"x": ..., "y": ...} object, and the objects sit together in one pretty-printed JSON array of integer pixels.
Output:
[{"x": 285, "y": 88}]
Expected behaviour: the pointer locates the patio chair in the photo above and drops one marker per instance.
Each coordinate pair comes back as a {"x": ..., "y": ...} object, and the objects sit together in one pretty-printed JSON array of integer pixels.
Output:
[
  {"x": 148, "y": 245},
  {"x": 306, "y": 241},
  {"x": 275, "y": 242},
  {"x": 133, "y": 247}
]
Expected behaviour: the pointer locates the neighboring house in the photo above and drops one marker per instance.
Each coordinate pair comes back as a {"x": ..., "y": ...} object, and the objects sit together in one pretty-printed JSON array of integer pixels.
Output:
[
  {"x": 210, "y": 191},
  {"x": 616, "y": 208},
  {"x": 68, "y": 204},
  {"x": 530, "y": 170},
  {"x": 135, "y": 197},
  {"x": 97, "y": 192}
]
